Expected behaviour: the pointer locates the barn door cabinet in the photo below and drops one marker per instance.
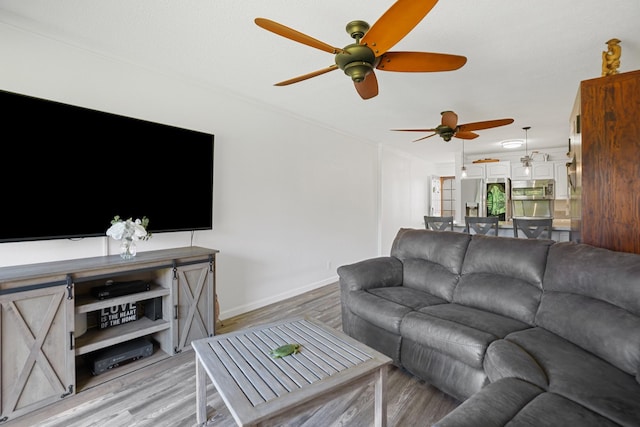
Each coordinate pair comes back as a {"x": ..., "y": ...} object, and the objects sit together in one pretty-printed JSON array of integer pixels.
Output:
[
  {"x": 36, "y": 354},
  {"x": 193, "y": 296},
  {"x": 52, "y": 325}
]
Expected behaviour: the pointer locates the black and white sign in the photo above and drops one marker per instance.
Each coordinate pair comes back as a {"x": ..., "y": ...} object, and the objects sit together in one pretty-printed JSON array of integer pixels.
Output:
[{"x": 117, "y": 315}]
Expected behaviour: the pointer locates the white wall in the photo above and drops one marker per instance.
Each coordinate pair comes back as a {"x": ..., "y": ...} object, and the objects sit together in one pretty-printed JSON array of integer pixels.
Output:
[
  {"x": 293, "y": 201},
  {"x": 405, "y": 194}
]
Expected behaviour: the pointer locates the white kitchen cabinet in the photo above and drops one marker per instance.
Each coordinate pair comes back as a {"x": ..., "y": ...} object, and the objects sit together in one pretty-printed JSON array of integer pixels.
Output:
[
  {"x": 538, "y": 170},
  {"x": 488, "y": 170},
  {"x": 556, "y": 170},
  {"x": 544, "y": 170},
  {"x": 518, "y": 173},
  {"x": 498, "y": 169},
  {"x": 475, "y": 170}
]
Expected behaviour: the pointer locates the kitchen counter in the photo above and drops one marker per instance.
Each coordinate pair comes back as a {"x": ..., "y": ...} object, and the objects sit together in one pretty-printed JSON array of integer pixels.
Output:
[
  {"x": 558, "y": 225},
  {"x": 560, "y": 230}
]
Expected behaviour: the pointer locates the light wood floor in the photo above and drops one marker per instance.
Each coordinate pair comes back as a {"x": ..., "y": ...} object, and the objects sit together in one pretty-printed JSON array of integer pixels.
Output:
[{"x": 163, "y": 394}]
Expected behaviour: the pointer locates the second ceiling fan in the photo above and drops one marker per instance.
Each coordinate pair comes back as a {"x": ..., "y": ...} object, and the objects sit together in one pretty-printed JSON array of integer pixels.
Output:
[
  {"x": 371, "y": 49},
  {"x": 449, "y": 127}
]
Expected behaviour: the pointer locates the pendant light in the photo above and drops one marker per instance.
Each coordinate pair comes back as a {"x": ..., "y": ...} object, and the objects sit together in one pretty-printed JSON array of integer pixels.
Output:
[
  {"x": 526, "y": 160},
  {"x": 463, "y": 169}
]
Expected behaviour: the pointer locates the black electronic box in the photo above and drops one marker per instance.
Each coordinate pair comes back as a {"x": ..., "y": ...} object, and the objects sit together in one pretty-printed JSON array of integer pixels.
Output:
[
  {"x": 153, "y": 308},
  {"x": 115, "y": 289},
  {"x": 103, "y": 360}
]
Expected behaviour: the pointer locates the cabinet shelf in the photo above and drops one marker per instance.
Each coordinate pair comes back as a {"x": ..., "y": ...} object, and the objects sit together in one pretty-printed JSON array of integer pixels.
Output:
[
  {"x": 85, "y": 380},
  {"x": 86, "y": 303},
  {"x": 95, "y": 339}
]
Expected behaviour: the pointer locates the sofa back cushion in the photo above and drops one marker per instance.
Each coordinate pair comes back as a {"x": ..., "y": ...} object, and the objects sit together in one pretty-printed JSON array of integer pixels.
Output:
[
  {"x": 503, "y": 275},
  {"x": 592, "y": 298},
  {"x": 431, "y": 260}
]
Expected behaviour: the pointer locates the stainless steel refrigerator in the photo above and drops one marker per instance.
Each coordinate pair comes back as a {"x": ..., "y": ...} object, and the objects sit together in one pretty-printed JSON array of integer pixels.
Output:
[
  {"x": 472, "y": 197},
  {"x": 497, "y": 198}
]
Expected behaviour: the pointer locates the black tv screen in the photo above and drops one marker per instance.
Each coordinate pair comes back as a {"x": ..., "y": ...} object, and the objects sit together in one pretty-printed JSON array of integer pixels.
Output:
[{"x": 67, "y": 171}]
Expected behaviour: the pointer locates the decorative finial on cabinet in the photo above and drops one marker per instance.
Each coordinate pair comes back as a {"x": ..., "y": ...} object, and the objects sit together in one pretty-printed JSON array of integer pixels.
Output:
[{"x": 611, "y": 58}]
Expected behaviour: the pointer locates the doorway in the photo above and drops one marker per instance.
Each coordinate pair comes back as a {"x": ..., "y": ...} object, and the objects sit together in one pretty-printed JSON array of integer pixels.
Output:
[
  {"x": 443, "y": 196},
  {"x": 448, "y": 195}
]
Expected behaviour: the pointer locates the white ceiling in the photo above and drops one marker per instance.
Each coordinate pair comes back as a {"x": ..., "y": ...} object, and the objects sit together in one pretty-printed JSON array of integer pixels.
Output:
[{"x": 525, "y": 58}]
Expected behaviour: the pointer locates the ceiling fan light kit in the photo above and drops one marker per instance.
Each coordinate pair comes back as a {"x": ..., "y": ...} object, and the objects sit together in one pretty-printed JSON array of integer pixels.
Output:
[{"x": 371, "y": 50}]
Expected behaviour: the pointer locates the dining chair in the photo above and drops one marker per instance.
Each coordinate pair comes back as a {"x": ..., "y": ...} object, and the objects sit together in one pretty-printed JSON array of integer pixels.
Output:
[
  {"x": 538, "y": 228},
  {"x": 481, "y": 224},
  {"x": 438, "y": 223}
]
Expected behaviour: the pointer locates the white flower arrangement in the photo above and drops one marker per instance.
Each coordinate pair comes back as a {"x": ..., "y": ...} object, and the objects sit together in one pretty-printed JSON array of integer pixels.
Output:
[{"x": 129, "y": 229}]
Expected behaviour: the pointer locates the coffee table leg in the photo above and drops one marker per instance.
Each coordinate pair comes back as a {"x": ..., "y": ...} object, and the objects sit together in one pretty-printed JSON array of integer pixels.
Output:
[
  {"x": 381, "y": 398},
  {"x": 201, "y": 393}
]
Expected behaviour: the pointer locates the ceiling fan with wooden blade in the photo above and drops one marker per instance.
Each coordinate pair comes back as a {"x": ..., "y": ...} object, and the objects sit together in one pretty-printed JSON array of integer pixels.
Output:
[
  {"x": 371, "y": 49},
  {"x": 449, "y": 127}
]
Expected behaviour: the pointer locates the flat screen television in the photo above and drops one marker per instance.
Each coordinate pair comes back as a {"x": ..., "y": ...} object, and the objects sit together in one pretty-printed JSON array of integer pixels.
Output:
[{"x": 66, "y": 171}]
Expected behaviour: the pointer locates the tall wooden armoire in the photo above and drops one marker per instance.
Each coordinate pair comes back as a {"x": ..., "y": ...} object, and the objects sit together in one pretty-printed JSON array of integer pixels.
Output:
[{"x": 610, "y": 169}]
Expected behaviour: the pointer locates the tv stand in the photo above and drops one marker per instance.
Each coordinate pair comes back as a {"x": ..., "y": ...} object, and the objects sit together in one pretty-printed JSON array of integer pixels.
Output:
[{"x": 46, "y": 307}]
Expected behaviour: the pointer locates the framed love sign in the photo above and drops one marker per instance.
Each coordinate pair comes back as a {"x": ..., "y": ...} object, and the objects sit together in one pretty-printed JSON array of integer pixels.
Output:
[{"x": 117, "y": 315}]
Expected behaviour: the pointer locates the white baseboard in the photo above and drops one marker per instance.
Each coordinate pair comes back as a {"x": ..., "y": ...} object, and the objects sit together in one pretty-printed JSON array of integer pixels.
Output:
[{"x": 225, "y": 314}]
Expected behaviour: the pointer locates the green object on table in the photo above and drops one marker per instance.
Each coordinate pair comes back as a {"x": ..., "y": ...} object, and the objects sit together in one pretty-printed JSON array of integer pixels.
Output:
[{"x": 285, "y": 350}]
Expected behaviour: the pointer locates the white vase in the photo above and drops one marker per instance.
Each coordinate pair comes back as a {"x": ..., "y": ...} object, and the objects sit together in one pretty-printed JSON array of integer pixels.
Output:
[{"x": 128, "y": 249}]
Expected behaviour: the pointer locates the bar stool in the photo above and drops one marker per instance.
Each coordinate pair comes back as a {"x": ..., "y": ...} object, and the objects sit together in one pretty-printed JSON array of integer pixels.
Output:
[
  {"x": 481, "y": 224},
  {"x": 538, "y": 228},
  {"x": 438, "y": 223}
]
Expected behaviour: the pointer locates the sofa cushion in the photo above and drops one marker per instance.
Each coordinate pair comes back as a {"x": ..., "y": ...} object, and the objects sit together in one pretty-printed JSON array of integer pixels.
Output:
[
  {"x": 517, "y": 403},
  {"x": 503, "y": 276},
  {"x": 575, "y": 374},
  {"x": 407, "y": 297},
  {"x": 429, "y": 277},
  {"x": 463, "y": 333},
  {"x": 432, "y": 260},
  {"x": 613, "y": 334},
  {"x": 493, "y": 406},
  {"x": 583, "y": 280},
  {"x": 550, "y": 409},
  {"x": 596, "y": 272},
  {"x": 381, "y": 312},
  {"x": 502, "y": 295}
]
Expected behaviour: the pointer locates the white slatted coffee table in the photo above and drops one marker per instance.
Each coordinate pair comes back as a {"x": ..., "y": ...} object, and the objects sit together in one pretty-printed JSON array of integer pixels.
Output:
[{"x": 259, "y": 389}]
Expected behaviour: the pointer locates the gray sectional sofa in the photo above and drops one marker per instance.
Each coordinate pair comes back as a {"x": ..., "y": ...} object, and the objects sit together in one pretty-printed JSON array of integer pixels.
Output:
[{"x": 524, "y": 332}]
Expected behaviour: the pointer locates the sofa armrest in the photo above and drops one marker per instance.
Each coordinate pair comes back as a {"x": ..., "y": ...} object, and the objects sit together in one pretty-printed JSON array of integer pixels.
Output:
[
  {"x": 371, "y": 273},
  {"x": 505, "y": 359}
]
